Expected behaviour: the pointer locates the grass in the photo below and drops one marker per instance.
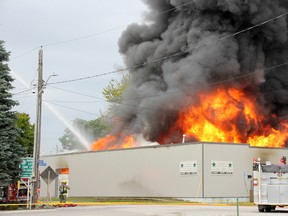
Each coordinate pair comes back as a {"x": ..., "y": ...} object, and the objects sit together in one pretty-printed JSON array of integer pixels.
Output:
[
  {"x": 136, "y": 200},
  {"x": 119, "y": 200},
  {"x": 86, "y": 201}
]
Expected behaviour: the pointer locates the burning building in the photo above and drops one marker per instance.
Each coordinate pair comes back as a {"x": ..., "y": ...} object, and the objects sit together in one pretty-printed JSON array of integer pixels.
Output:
[
  {"x": 215, "y": 71},
  {"x": 185, "y": 170}
]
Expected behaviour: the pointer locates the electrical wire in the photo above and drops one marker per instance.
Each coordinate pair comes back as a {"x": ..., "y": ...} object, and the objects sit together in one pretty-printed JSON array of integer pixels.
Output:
[
  {"x": 71, "y": 108},
  {"x": 61, "y": 101},
  {"x": 95, "y": 34},
  {"x": 24, "y": 91},
  {"x": 67, "y": 107},
  {"x": 168, "y": 56},
  {"x": 104, "y": 100},
  {"x": 112, "y": 29},
  {"x": 24, "y": 53},
  {"x": 24, "y": 97},
  {"x": 150, "y": 96},
  {"x": 176, "y": 54},
  {"x": 79, "y": 93},
  {"x": 173, "y": 55}
]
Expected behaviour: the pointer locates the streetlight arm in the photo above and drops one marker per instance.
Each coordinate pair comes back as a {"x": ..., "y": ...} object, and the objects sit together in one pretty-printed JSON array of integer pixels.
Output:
[{"x": 45, "y": 83}]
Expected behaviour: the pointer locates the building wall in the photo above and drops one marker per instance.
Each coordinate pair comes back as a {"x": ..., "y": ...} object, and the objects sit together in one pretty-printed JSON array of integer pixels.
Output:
[{"x": 155, "y": 171}]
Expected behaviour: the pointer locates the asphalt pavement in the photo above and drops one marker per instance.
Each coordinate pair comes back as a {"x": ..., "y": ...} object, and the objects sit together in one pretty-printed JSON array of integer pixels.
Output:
[{"x": 147, "y": 210}]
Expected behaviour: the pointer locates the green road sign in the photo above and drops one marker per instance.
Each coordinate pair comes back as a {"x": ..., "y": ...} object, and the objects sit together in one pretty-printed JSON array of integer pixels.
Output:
[{"x": 26, "y": 167}]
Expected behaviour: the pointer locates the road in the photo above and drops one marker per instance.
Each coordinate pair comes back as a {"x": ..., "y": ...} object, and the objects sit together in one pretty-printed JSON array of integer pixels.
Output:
[{"x": 147, "y": 210}]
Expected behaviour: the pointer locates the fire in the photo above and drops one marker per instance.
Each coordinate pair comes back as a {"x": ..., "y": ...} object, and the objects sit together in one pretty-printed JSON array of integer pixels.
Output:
[
  {"x": 228, "y": 115},
  {"x": 64, "y": 171},
  {"x": 110, "y": 142},
  {"x": 222, "y": 115}
]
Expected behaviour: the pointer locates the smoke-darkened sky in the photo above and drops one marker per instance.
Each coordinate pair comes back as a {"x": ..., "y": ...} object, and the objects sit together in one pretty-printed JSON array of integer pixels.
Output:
[{"x": 201, "y": 32}]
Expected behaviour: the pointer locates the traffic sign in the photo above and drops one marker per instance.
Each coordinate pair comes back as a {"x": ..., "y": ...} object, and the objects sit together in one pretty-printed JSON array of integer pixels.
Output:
[
  {"x": 42, "y": 164},
  {"x": 26, "y": 167},
  {"x": 48, "y": 175}
]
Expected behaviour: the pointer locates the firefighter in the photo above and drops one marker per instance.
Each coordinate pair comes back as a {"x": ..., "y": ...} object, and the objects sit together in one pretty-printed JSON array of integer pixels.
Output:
[
  {"x": 282, "y": 160},
  {"x": 63, "y": 189}
]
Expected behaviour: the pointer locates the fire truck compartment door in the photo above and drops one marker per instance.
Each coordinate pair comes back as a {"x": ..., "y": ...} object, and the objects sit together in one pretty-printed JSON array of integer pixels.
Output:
[
  {"x": 273, "y": 193},
  {"x": 277, "y": 194},
  {"x": 284, "y": 194}
]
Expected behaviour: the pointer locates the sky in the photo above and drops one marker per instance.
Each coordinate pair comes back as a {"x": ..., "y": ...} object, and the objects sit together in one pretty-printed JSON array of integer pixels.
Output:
[{"x": 79, "y": 39}]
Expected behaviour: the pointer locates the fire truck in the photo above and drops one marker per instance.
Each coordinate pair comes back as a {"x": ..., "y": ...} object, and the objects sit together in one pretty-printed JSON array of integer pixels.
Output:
[
  {"x": 15, "y": 192},
  {"x": 270, "y": 184}
]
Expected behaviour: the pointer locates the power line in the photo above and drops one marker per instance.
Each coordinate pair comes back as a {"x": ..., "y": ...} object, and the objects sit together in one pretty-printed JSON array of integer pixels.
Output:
[
  {"x": 87, "y": 77},
  {"x": 104, "y": 100},
  {"x": 24, "y": 97},
  {"x": 24, "y": 53},
  {"x": 62, "y": 101},
  {"x": 71, "y": 108},
  {"x": 95, "y": 34},
  {"x": 167, "y": 93},
  {"x": 112, "y": 29},
  {"x": 175, "y": 54},
  {"x": 24, "y": 91},
  {"x": 168, "y": 56},
  {"x": 67, "y": 107},
  {"x": 79, "y": 93},
  {"x": 164, "y": 93}
]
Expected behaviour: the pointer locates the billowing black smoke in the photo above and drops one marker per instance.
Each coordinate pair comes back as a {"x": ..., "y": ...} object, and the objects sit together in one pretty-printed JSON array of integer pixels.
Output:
[{"x": 193, "y": 46}]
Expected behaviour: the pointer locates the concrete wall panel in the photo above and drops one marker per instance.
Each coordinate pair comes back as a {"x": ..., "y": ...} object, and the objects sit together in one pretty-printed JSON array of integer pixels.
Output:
[
  {"x": 141, "y": 172},
  {"x": 155, "y": 171}
]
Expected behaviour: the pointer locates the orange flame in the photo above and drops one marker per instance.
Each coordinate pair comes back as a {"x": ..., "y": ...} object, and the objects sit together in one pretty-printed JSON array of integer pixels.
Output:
[
  {"x": 222, "y": 115},
  {"x": 64, "y": 171},
  {"x": 110, "y": 142},
  {"x": 230, "y": 116}
]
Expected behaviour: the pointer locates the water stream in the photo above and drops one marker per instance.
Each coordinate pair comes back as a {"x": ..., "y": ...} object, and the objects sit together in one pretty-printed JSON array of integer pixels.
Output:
[{"x": 82, "y": 139}]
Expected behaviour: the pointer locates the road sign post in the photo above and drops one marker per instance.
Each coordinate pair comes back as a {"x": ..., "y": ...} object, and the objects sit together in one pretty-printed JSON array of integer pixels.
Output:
[{"x": 48, "y": 175}]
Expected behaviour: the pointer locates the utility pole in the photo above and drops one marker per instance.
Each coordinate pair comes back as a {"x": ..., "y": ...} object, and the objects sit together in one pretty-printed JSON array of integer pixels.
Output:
[{"x": 37, "y": 131}]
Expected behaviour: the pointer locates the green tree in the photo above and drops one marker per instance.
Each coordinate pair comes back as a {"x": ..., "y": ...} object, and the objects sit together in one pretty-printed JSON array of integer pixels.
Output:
[
  {"x": 10, "y": 151},
  {"x": 113, "y": 92},
  {"x": 91, "y": 130},
  {"x": 99, "y": 127},
  {"x": 26, "y": 130}
]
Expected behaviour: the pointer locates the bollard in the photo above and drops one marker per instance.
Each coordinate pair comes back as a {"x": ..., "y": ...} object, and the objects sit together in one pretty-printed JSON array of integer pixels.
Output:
[{"x": 237, "y": 204}]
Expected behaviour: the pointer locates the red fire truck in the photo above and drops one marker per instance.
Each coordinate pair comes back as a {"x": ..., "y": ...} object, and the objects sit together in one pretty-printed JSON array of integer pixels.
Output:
[{"x": 15, "y": 192}]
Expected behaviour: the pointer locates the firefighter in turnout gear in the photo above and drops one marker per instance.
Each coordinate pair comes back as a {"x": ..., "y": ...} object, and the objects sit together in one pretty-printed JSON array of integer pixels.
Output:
[
  {"x": 63, "y": 189},
  {"x": 282, "y": 161}
]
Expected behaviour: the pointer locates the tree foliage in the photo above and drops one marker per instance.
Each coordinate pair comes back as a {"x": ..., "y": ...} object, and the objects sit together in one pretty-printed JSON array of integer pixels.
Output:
[
  {"x": 91, "y": 130},
  {"x": 26, "y": 130},
  {"x": 99, "y": 127},
  {"x": 113, "y": 92},
  {"x": 10, "y": 151}
]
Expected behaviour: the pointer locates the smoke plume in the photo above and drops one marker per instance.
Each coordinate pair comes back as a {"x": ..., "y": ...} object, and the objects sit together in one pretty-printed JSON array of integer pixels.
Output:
[{"x": 186, "y": 47}]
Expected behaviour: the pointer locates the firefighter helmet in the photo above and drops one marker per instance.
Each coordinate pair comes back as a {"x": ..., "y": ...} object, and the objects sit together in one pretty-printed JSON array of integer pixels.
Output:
[{"x": 283, "y": 159}]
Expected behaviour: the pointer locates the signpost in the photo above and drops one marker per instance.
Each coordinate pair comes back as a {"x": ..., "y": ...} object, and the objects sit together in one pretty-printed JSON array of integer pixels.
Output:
[
  {"x": 48, "y": 175},
  {"x": 26, "y": 167}
]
